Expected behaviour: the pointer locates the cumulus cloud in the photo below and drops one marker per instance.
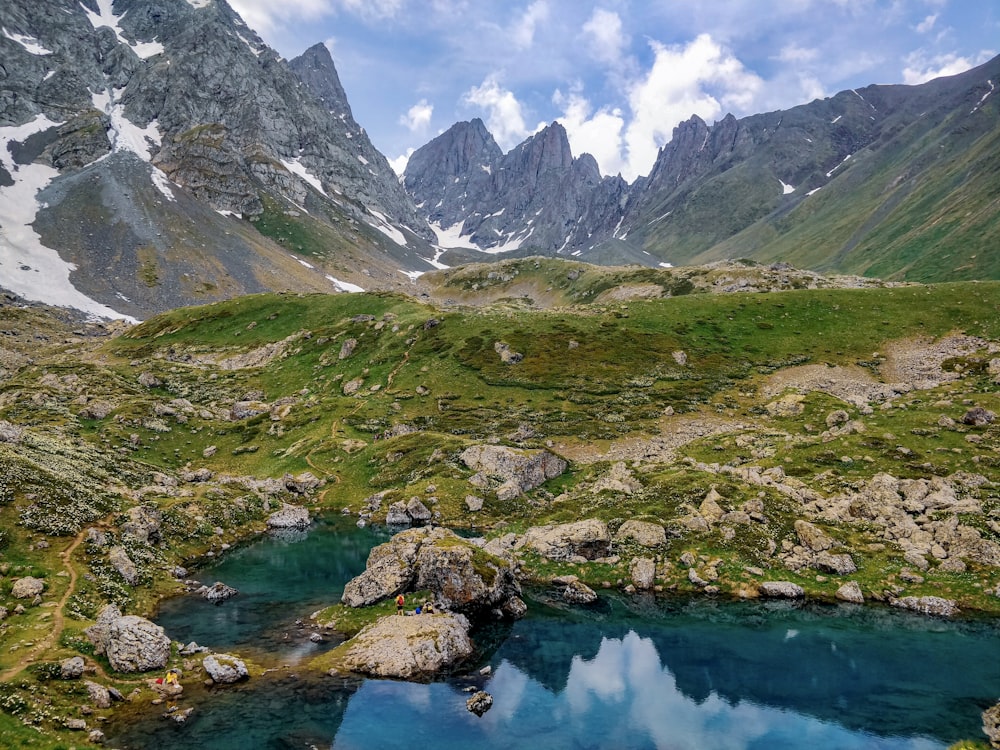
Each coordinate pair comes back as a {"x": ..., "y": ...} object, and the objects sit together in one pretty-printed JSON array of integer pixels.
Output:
[
  {"x": 504, "y": 117},
  {"x": 927, "y": 24},
  {"x": 699, "y": 78},
  {"x": 417, "y": 117},
  {"x": 399, "y": 163},
  {"x": 523, "y": 32},
  {"x": 369, "y": 9},
  {"x": 264, "y": 16},
  {"x": 606, "y": 37},
  {"x": 596, "y": 133},
  {"x": 920, "y": 69}
]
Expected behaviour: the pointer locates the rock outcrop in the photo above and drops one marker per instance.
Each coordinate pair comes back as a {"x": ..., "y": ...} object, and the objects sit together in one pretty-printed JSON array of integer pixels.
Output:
[
  {"x": 131, "y": 643},
  {"x": 225, "y": 669},
  {"x": 409, "y": 647},
  {"x": 578, "y": 541},
  {"x": 462, "y": 576},
  {"x": 289, "y": 517},
  {"x": 511, "y": 471},
  {"x": 27, "y": 587}
]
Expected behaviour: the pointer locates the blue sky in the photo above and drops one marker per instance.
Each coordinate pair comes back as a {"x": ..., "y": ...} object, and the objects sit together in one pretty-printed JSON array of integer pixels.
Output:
[{"x": 618, "y": 74}]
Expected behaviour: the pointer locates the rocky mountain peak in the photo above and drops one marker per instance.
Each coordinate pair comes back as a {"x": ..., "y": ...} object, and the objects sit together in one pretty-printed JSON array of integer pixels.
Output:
[{"x": 315, "y": 68}]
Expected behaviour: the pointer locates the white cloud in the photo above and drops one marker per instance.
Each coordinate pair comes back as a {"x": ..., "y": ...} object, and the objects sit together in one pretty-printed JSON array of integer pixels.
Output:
[
  {"x": 927, "y": 24},
  {"x": 606, "y": 36},
  {"x": 794, "y": 54},
  {"x": 700, "y": 78},
  {"x": 504, "y": 118},
  {"x": 920, "y": 69},
  {"x": 598, "y": 134},
  {"x": 399, "y": 163},
  {"x": 523, "y": 33},
  {"x": 417, "y": 117},
  {"x": 264, "y": 16},
  {"x": 369, "y": 9}
]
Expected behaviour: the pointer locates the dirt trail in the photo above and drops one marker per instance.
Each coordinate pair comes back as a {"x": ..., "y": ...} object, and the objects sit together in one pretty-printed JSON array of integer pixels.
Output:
[{"x": 58, "y": 618}]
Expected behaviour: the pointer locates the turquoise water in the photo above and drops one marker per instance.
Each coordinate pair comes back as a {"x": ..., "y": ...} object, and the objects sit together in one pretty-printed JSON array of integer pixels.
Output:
[{"x": 633, "y": 673}]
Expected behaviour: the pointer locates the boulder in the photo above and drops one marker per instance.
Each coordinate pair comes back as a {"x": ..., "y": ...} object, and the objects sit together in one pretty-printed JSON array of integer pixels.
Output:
[
  {"x": 381, "y": 579},
  {"x": 98, "y": 632},
  {"x": 643, "y": 533},
  {"x": 787, "y": 406},
  {"x": 850, "y": 592},
  {"x": 71, "y": 668},
  {"x": 840, "y": 565},
  {"x": 27, "y": 587},
  {"x": 289, "y": 517},
  {"x": 143, "y": 523},
  {"x": 479, "y": 702},
  {"x": 218, "y": 592},
  {"x": 589, "y": 539},
  {"x": 927, "y": 605},
  {"x": 991, "y": 725},
  {"x": 643, "y": 573},
  {"x": 225, "y": 668},
  {"x": 417, "y": 511},
  {"x": 473, "y": 503},
  {"x": 811, "y": 537},
  {"x": 575, "y": 591},
  {"x": 409, "y": 648},
  {"x": 134, "y": 644},
  {"x": 517, "y": 470},
  {"x": 9, "y": 433},
  {"x": 99, "y": 695},
  {"x": 710, "y": 509},
  {"x": 301, "y": 484},
  {"x": 121, "y": 562},
  {"x": 978, "y": 417},
  {"x": 781, "y": 590}
]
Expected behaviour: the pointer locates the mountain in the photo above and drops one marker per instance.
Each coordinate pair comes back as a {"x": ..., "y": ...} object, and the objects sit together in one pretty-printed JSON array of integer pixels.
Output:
[
  {"x": 157, "y": 153},
  {"x": 891, "y": 181}
]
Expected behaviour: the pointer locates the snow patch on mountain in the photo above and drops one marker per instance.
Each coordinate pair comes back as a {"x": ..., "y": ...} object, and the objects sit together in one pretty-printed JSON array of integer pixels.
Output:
[
  {"x": 296, "y": 167},
  {"x": 27, "y": 267},
  {"x": 344, "y": 286},
  {"x": 382, "y": 224},
  {"x": 785, "y": 189},
  {"x": 106, "y": 17},
  {"x": 451, "y": 237},
  {"x": 29, "y": 43}
]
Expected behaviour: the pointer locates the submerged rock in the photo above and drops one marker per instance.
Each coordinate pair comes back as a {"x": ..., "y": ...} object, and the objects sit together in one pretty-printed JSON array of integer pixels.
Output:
[
  {"x": 409, "y": 647},
  {"x": 218, "y": 592}
]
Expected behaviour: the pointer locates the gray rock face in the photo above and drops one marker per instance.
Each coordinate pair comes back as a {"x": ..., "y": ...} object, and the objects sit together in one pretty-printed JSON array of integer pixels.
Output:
[
  {"x": 643, "y": 533},
  {"x": 643, "y": 573},
  {"x": 409, "y": 647},
  {"x": 589, "y": 539},
  {"x": 134, "y": 644},
  {"x": 289, "y": 517},
  {"x": 225, "y": 669},
  {"x": 462, "y": 576},
  {"x": 851, "y": 592},
  {"x": 781, "y": 590},
  {"x": 27, "y": 587},
  {"x": 121, "y": 562},
  {"x": 516, "y": 470},
  {"x": 927, "y": 605},
  {"x": 72, "y": 668}
]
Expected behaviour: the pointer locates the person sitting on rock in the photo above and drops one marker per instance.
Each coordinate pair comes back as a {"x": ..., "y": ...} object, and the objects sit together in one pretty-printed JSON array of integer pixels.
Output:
[
  {"x": 400, "y": 601},
  {"x": 428, "y": 608}
]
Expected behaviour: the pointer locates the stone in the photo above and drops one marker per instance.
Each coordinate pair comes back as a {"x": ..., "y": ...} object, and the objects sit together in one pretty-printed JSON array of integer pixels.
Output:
[
  {"x": 991, "y": 725},
  {"x": 710, "y": 508},
  {"x": 811, "y": 537},
  {"x": 289, "y": 517},
  {"x": 9, "y": 433},
  {"x": 473, "y": 503},
  {"x": 241, "y": 410},
  {"x": 643, "y": 533},
  {"x": 643, "y": 573},
  {"x": 577, "y": 592},
  {"x": 225, "y": 669},
  {"x": 218, "y": 592},
  {"x": 134, "y": 644},
  {"x": 417, "y": 511},
  {"x": 928, "y": 605},
  {"x": 479, "y": 702},
  {"x": 837, "y": 417},
  {"x": 518, "y": 470},
  {"x": 149, "y": 380},
  {"x": 850, "y": 592},
  {"x": 914, "y": 558},
  {"x": 352, "y": 386},
  {"x": 409, "y": 647},
  {"x": 71, "y": 668},
  {"x": 96, "y": 737},
  {"x": 99, "y": 695},
  {"x": 121, "y": 562},
  {"x": 507, "y": 355},
  {"x": 143, "y": 523},
  {"x": 397, "y": 515},
  {"x": 978, "y": 417},
  {"x": 840, "y": 565},
  {"x": 787, "y": 406},
  {"x": 589, "y": 539},
  {"x": 347, "y": 348},
  {"x": 77, "y": 725},
  {"x": 301, "y": 484},
  {"x": 27, "y": 587},
  {"x": 781, "y": 590}
]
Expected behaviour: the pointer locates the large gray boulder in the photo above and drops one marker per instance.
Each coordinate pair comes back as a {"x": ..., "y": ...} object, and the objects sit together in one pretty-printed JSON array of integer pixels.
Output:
[
  {"x": 517, "y": 471},
  {"x": 410, "y": 647},
  {"x": 462, "y": 575},
  {"x": 289, "y": 517},
  {"x": 781, "y": 590},
  {"x": 643, "y": 533},
  {"x": 134, "y": 644},
  {"x": 927, "y": 605},
  {"x": 225, "y": 669},
  {"x": 991, "y": 725},
  {"x": 72, "y": 668},
  {"x": 27, "y": 587},
  {"x": 121, "y": 562},
  {"x": 588, "y": 539},
  {"x": 143, "y": 523}
]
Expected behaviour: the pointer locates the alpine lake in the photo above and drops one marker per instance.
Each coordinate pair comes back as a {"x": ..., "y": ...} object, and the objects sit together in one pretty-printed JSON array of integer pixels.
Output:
[{"x": 630, "y": 672}]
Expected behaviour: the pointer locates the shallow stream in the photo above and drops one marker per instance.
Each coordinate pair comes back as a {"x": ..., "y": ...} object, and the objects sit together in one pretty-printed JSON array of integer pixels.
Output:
[{"x": 639, "y": 672}]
